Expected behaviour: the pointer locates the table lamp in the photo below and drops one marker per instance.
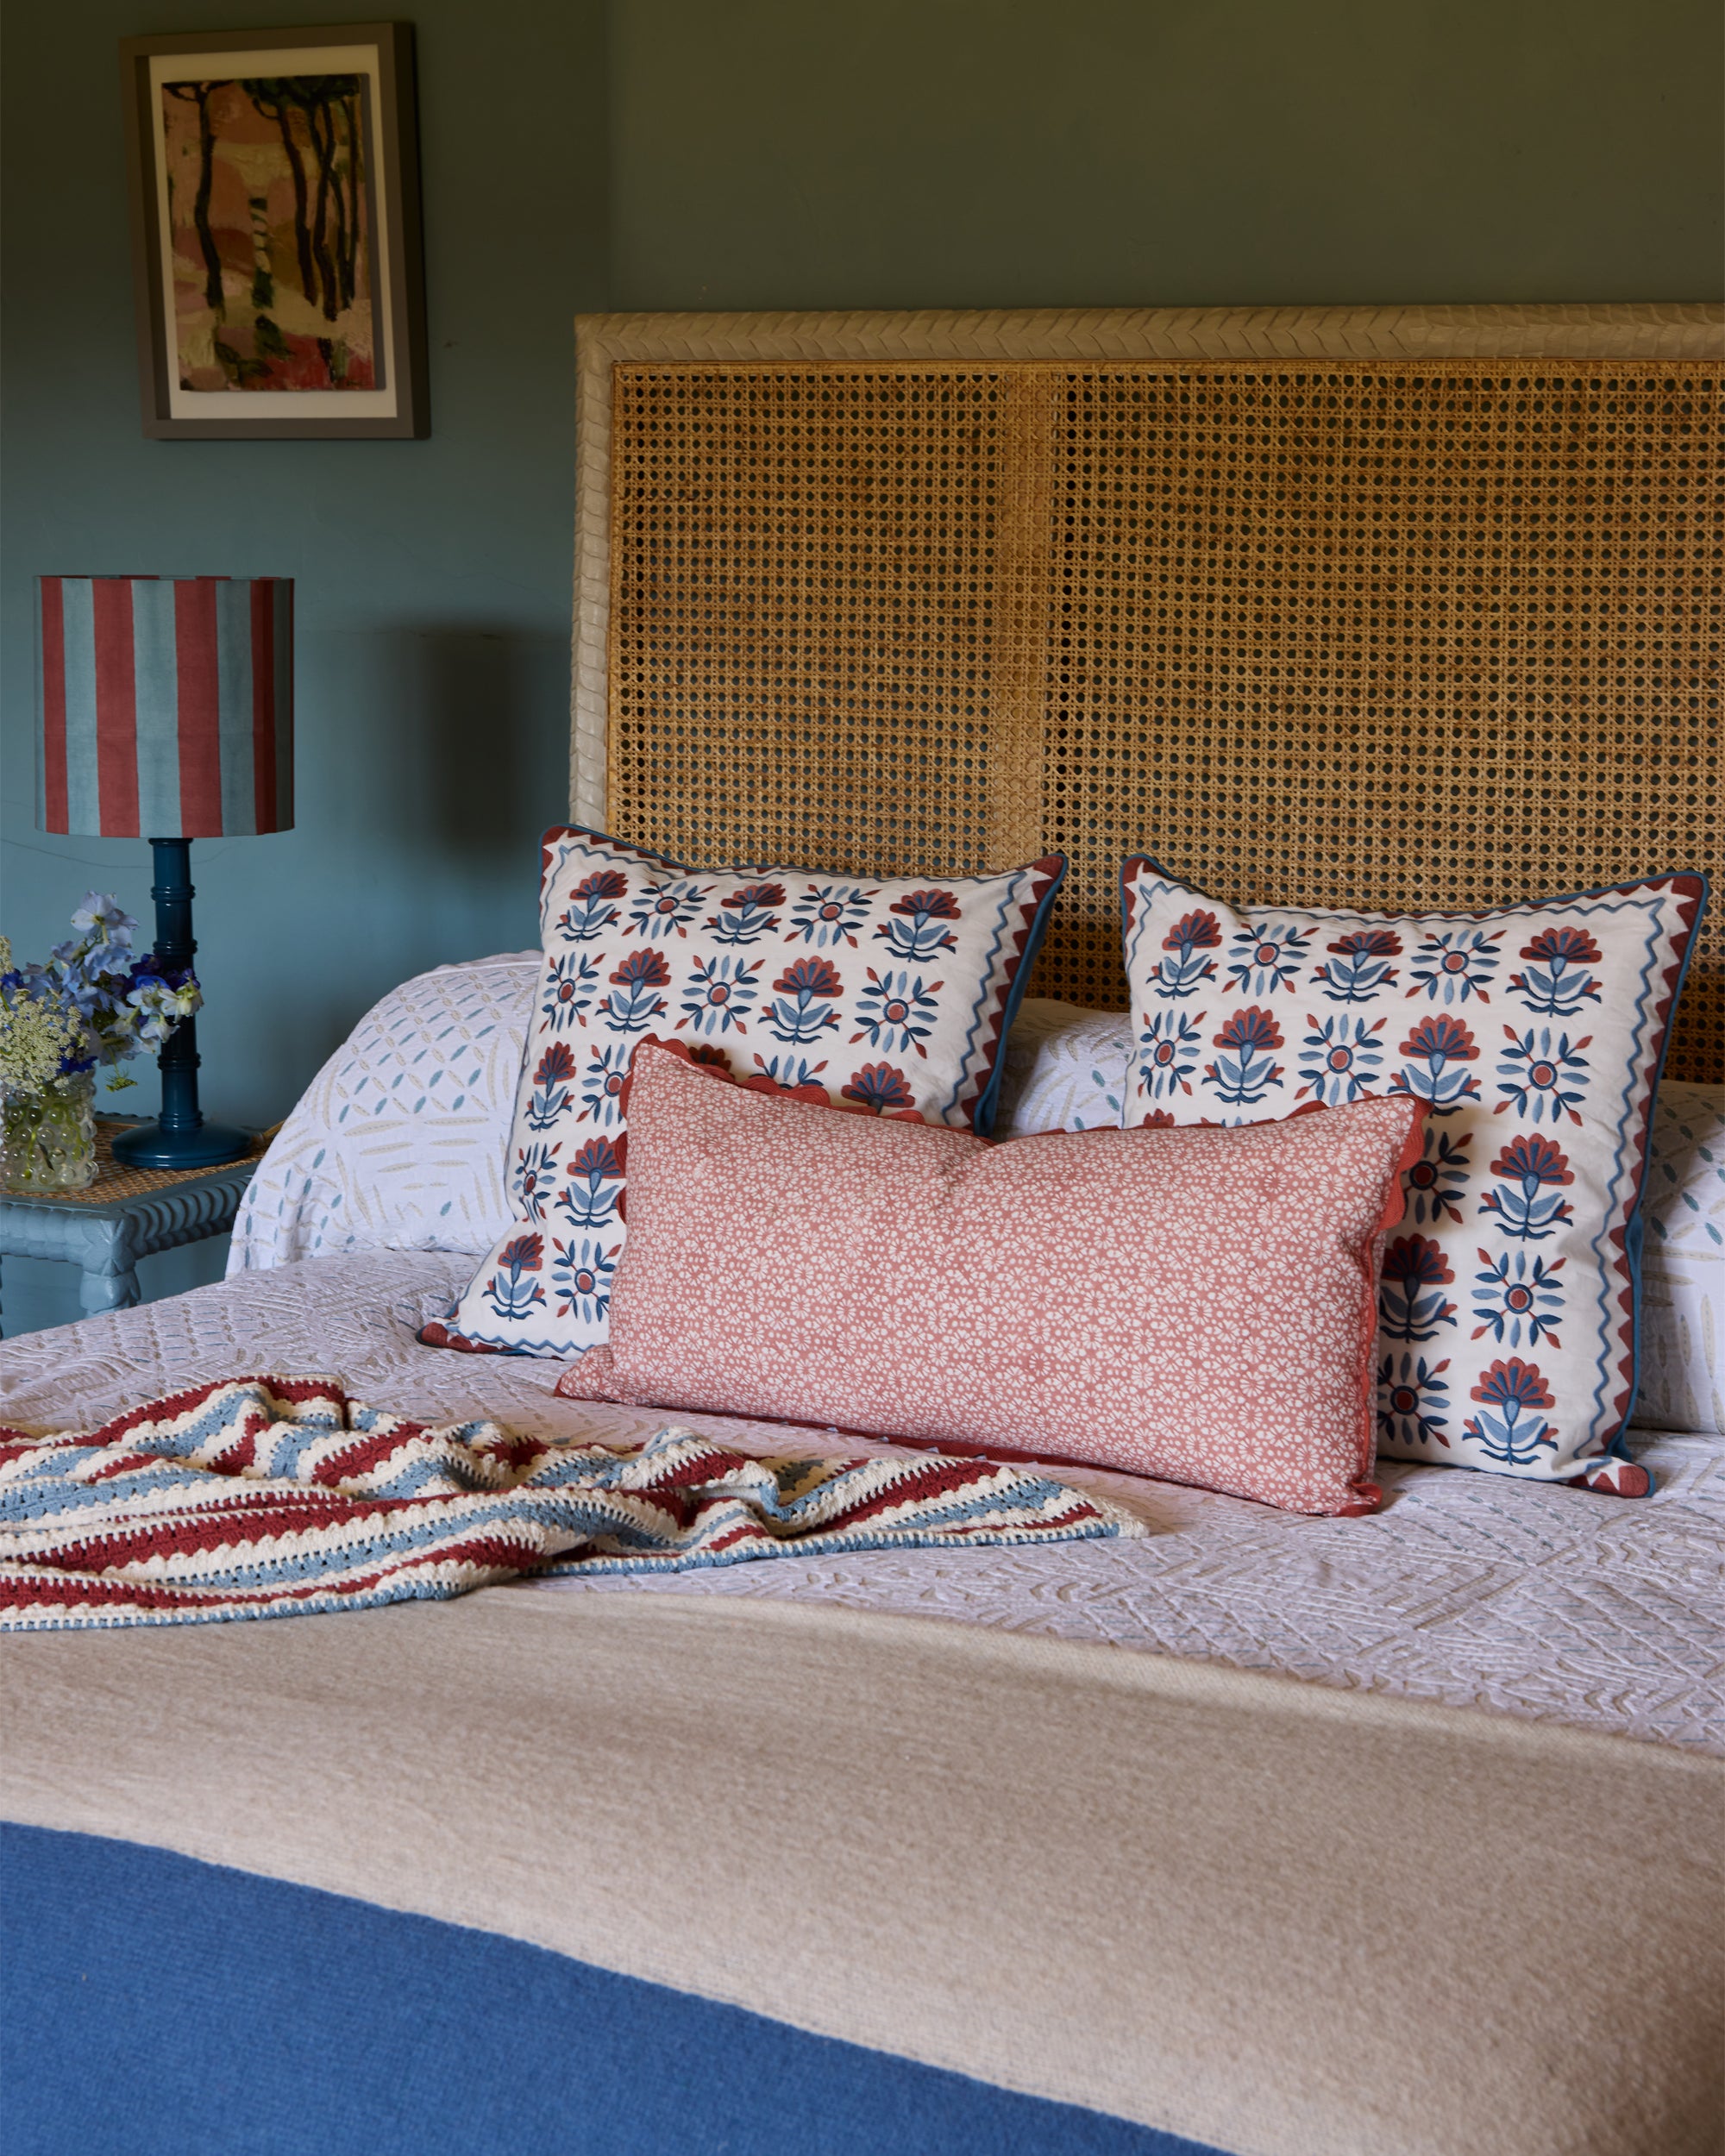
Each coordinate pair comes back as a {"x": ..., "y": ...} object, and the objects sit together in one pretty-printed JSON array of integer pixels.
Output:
[{"x": 167, "y": 708}]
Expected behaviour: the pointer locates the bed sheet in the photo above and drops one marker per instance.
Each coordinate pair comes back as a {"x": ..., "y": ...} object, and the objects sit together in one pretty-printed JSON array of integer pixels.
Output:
[{"x": 1469, "y": 1590}]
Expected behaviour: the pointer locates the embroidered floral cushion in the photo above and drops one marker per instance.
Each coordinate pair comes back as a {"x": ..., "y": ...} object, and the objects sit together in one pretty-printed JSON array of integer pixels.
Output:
[
  {"x": 885, "y": 993},
  {"x": 1507, "y": 1310},
  {"x": 1195, "y": 1304}
]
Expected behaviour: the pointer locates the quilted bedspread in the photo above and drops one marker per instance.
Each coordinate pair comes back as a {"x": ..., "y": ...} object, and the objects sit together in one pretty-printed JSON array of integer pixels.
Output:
[{"x": 1552, "y": 1605}]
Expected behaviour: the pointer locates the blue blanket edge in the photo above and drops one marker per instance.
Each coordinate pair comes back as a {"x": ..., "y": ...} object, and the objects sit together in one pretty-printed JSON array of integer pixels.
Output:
[{"x": 174, "y": 2008}]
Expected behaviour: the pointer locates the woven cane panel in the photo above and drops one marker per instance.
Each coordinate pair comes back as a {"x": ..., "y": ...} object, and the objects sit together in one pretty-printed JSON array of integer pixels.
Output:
[{"x": 1411, "y": 635}]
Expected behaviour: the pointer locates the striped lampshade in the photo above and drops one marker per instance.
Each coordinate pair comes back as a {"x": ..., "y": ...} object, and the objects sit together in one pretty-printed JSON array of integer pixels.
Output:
[{"x": 167, "y": 705}]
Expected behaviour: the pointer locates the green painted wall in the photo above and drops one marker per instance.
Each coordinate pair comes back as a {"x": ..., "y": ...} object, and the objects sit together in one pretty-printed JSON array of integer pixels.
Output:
[{"x": 721, "y": 154}]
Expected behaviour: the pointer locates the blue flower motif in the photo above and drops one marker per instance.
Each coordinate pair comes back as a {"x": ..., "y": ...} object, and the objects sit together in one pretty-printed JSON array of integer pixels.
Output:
[
  {"x": 718, "y": 994},
  {"x": 1456, "y": 964},
  {"x": 634, "y": 1003},
  {"x": 1246, "y": 1069},
  {"x": 570, "y": 986},
  {"x": 1559, "y": 983},
  {"x": 803, "y": 1009},
  {"x": 1359, "y": 965},
  {"x": 1531, "y": 1169},
  {"x": 1266, "y": 959},
  {"x": 1411, "y": 1303},
  {"x": 1540, "y": 1081},
  {"x": 1185, "y": 969},
  {"x": 747, "y": 915},
  {"x": 1514, "y": 1435},
  {"x": 1413, "y": 1400},
  {"x": 1514, "y": 1293},
  {"x": 594, "y": 1184},
  {"x": 828, "y": 913},
  {"x": 512, "y": 1291},
  {"x": 880, "y": 1089},
  {"x": 918, "y": 934},
  {"x": 607, "y": 1073},
  {"x": 581, "y": 1274},
  {"x": 666, "y": 908},
  {"x": 550, "y": 1095},
  {"x": 896, "y": 1013},
  {"x": 534, "y": 1177},
  {"x": 1437, "y": 1180},
  {"x": 1340, "y": 1057},
  {"x": 1438, "y": 1045},
  {"x": 1169, "y": 1049},
  {"x": 591, "y": 909}
]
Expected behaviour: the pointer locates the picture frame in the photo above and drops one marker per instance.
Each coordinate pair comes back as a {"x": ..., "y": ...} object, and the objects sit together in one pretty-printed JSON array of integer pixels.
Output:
[{"x": 276, "y": 240}]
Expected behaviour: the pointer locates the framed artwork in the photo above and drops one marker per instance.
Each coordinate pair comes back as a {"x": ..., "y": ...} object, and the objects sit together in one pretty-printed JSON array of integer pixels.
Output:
[{"x": 275, "y": 222}]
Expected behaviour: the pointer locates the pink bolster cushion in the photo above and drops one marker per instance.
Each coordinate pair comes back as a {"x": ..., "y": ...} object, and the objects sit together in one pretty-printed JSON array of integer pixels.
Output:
[{"x": 1197, "y": 1303}]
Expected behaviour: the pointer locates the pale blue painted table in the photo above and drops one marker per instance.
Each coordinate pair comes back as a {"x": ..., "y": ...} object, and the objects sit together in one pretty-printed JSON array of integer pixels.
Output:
[{"x": 126, "y": 1214}]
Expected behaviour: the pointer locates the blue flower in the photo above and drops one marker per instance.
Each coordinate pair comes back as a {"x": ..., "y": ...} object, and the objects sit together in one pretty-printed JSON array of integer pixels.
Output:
[
  {"x": 1559, "y": 983},
  {"x": 534, "y": 1177},
  {"x": 593, "y": 1185},
  {"x": 746, "y": 916},
  {"x": 1413, "y": 1400},
  {"x": 1513, "y": 1294},
  {"x": 790, "y": 1071},
  {"x": 804, "y": 1009},
  {"x": 591, "y": 910},
  {"x": 879, "y": 1088},
  {"x": 1437, "y": 1181},
  {"x": 606, "y": 1074},
  {"x": 1436, "y": 1044},
  {"x": 1185, "y": 969},
  {"x": 719, "y": 993},
  {"x": 512, "y": 1291},
  {"x": 570, "y": 986},
  {"x": 550, "y": 1095},
  {"x": 918, "y": 936},
  {"x": 633, "y": 1004},
  {"x": 1514, "y": 1435},
  {"x": 1246, "y": 1071},
  {"x": 664, "y": 909},
  {"x": 1169, "y": 1048},
  {"x": 828, "y": 913},
  {"x": 1456, "y": 963},
  {"x": 896, "y": 1013},
  {"x": 1340, "y": 1057},
  {"x": 1266, "y": 959},
  {"x": 1530, "y": 1167},
  {"x": 1541, "y": 1081},
  {"x": 1411, "y": 1304},
  {"x": 1359, "y": 965},
  {"x": 581, "y": 1274}
]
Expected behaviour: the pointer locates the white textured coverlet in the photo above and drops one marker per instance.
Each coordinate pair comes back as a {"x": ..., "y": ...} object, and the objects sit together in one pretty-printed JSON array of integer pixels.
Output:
[{"x": 1551, "y": 1604}]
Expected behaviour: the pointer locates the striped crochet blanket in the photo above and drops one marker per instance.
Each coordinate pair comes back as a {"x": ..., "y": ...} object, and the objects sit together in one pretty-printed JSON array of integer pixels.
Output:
[{"x": 273, "y": 1496}]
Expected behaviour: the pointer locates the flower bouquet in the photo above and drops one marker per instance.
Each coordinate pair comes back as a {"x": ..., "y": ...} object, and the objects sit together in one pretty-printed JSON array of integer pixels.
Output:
[{"x": 96, "y": 1002}]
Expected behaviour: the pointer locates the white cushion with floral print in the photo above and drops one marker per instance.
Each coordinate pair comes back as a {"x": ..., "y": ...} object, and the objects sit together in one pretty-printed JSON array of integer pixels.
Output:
[
  {"x": 1506, "y": 1309},
  {"x": 890, "y": 993}
]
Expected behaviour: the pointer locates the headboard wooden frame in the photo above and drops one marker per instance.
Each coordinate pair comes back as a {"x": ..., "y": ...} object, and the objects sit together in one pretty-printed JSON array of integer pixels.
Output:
[{"x": 1410, "y": 608}]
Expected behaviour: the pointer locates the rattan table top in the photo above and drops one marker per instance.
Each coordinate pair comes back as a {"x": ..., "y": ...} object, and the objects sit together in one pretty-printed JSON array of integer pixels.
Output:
[{"x": 115, "y": 1183}]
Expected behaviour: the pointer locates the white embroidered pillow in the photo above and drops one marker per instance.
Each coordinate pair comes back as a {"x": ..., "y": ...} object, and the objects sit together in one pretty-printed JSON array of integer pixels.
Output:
[
  {"x": 892, "y": 992},
  {"x": 1506, "y": 1309}
]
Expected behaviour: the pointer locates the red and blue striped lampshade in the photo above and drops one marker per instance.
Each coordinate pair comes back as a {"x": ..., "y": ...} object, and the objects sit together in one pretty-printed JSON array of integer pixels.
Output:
[{"x": 167, "y": 705}]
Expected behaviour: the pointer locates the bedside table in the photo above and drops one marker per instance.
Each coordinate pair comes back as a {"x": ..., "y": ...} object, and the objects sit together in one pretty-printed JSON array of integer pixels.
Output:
[{"x": 125, "y": 1214}]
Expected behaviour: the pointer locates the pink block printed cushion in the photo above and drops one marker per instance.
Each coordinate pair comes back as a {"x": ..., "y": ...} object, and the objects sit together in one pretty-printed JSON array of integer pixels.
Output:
[
  {"x": 885, "y": 994},
  {"x": 1194, "y": 1304},
  {"x": 1507, "y": 1311}
]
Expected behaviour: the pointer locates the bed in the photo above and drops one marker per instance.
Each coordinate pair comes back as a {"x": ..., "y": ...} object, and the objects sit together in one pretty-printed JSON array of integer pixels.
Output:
[{"x": 1256, "y": 1833}]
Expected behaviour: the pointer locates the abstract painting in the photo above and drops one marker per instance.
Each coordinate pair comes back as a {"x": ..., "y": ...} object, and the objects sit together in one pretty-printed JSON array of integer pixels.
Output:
[{"x": 278, "y": 245}]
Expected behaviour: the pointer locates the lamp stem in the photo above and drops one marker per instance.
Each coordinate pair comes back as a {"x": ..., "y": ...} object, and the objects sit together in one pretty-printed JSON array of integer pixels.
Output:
[
  {"x": 180, "y": 1138},
  {"x": 175, "y": 947}
]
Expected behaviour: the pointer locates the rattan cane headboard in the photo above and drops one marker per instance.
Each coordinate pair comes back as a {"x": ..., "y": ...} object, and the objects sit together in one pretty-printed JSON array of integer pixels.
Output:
[{"x": 1409, "y": 609}]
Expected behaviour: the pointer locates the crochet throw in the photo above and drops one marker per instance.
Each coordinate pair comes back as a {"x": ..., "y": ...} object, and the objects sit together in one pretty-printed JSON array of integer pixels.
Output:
[{"x": 273, "y": 1496}]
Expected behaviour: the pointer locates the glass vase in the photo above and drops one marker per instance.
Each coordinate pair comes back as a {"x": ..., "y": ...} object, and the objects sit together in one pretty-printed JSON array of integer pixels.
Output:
[{"x": 47, "y": 1139}]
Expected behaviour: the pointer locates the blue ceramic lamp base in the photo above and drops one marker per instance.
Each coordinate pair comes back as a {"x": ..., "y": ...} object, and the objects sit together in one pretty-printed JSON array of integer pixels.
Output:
[{"x": 180, "y": 1138}]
